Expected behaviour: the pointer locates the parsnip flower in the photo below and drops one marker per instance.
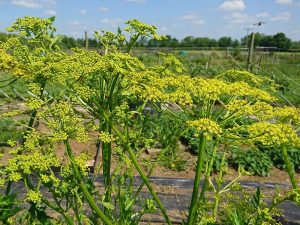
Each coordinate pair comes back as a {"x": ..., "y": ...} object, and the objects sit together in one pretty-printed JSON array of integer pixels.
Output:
[
  {"x": 106, "y": 137},
  {"x": 273, "y": 134},
  {"x": 206, "y": 126},
  {"x": 34, "y": 196}
]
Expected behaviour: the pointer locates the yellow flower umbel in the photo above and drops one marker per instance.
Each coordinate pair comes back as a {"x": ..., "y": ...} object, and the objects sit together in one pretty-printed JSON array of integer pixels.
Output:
[
  {"x": 34, "y": 196},
  {"x": 206, "y": 126},
  {"x": 274, "y": 134},
  {"x": 106, "y": 137}
]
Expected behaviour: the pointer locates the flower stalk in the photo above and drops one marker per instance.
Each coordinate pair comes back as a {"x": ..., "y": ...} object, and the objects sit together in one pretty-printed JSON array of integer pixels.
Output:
[{"x": 200, "y": 161}]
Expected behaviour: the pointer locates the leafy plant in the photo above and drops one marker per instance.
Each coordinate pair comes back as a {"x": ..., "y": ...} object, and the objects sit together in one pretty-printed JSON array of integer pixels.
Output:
[
  {"x": 8, "y": 207},
  {"x": 9, "y": 130},
  {"x": 276, "y": 156},
  {"x": 252, "y": 160}
]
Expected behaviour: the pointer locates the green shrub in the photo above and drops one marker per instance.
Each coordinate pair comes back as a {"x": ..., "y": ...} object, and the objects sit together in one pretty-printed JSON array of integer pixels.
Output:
[
  {"x": 9, "y": 130},
  {"x": 252, "y": 160},
  {"x": 277, "y": 158}
]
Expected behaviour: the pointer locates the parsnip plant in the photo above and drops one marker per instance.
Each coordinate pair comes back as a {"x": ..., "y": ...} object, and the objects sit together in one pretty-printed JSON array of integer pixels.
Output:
[{"x": 104, "y": 86}]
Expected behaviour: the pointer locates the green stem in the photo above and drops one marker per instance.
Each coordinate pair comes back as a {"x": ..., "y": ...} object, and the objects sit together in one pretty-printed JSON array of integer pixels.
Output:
[
  {"x": 84, "y": 189},
  {"x": 106, "y": 162},
  {"x": 146, "y": 181},
  {"x": 106, "y": 147},
  {"x": 59, "y": 210},
  {"x": 201, "y": 151},
  {"x": 208, "y": 171},
  {"x": 154, "y": 164},
  {"x": 289, "y": 167},
  {"x": 216, "y": 205},
  {"x": 139, "y": 169},
  {"x": 131, "y": 43},
  {"x": 219, "y": 183}
]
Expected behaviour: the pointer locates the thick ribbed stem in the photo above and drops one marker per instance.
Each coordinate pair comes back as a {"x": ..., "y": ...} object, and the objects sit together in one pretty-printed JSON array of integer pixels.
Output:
[
  {"x": 289, "y": 167},
  {"x": 201, "y": 152}
]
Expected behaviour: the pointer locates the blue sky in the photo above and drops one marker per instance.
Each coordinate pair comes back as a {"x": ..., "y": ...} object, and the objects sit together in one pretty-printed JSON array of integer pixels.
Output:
[{"x": 179, "y": 18}]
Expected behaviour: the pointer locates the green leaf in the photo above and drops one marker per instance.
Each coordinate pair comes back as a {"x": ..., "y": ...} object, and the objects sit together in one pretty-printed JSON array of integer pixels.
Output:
[{"x": 108, "y": 205}]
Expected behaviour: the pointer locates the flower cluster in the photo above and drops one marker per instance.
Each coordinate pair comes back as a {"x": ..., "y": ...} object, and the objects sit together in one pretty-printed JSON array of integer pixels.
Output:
[
  {"x": 235, "y": 75},
  {"x": 273, "y": 134},
  {"x": 106, "y": 137},
  {"x": 206, "y": 126},
  {"x": 81, "y": 162},
  {"x": 49, "y": 179},
  {"x": 34, "y": 196},
  {"x": 30, "y": 163},
  {"x": 64, "y": 123}
]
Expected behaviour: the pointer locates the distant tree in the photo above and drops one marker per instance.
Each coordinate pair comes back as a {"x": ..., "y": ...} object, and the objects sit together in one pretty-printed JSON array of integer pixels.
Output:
[
  {"x": 93, "y": 43},
  {"x": 187, "y": 41},
  {"x": 68, "y": 42},
  {"x": 168, "y": 42},
  {"x": 153, "y": 43},
  {"x": 142, "y": 42},
  {"x": 259, "y": 40},
  {"x": 278, "y": 40},
  {"x": 281, "y": 41},
  {"x": 225, "y": 42},
  {"x": 295, "y": 45},
  {"x": 204, "y": 42},
  {"x": 236, "y": 43},
  {"x": 172, "y": 42}
]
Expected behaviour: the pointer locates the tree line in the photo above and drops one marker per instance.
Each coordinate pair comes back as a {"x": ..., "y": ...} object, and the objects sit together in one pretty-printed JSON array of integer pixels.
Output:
[{"x": 279, "y": 40}]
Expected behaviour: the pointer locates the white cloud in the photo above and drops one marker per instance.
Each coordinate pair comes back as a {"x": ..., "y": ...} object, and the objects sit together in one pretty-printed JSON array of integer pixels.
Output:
[
  {"x": 82, "y": 12},
  {"x": 288, "y": 2},
  {"x": 262, "y": 15},
  {"x": 112, "y": 22},
  {"x": 284, "y": 16},
  {"x": 76, "y": 27},
  {"x": 33, "y": 4},
  {"x": 245, "y": 19},
  {"x": 284, "y": 2},
  {"x": 136, "y": 1},
  {"x": 74, "y": 23},
  {"x": 240, "y": 18},
  {"x": 27, "y": 3},
  {"x": 233, "y": 5},
  {"x": 193, "y": 18},
  {"x": 50, "y": 12},
  {"x": 296, "y": 31},
  {"x": 103, "y": 9}
]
